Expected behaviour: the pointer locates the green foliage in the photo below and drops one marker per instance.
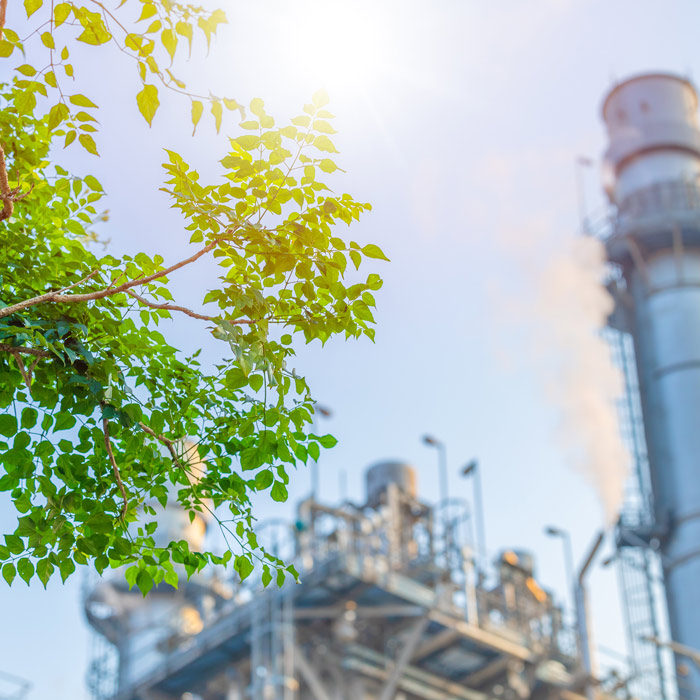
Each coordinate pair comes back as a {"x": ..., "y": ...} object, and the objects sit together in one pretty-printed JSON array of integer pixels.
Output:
[{"x": 103, "y": 423}]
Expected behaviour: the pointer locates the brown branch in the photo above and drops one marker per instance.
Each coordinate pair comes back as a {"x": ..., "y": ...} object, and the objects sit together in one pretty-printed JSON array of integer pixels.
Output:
[
  {"x": 59, "y": 298},
  {"x": 4, "y": 347},
  {"x": 169, "y": 307},
  {"x": 5, "y": 191},
  {"x": 115, "y": 468},
  {"x": 167, "y": 442},
  {"x": 3, "y": 11},
  {"x": 27, "y": 376}
]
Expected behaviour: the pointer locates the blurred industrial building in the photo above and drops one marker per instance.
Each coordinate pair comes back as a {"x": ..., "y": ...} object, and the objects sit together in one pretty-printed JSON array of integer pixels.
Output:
[{"x": 394, "y": 601}]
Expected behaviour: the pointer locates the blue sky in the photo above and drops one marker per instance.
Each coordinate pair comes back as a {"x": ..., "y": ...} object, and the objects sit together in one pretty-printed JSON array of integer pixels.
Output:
[{"x": 460, "y": 121}]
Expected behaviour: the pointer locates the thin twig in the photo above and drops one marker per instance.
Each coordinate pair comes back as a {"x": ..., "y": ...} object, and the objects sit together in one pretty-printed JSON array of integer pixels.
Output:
[
  {"x": 5, "y": 191},
  {"x": 3, "y": 11},
  {"x": 115, "y": 468},
  {"x": 58, "y": 298},
  {"x": 23, "y": 371},
  {"x": 75, "y": 284},
  {"x": 172, "y": 307}
]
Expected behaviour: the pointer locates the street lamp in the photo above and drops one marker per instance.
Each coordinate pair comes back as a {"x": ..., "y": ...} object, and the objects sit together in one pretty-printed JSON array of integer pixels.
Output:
[
  {"x": 325, "y": 413},
  {"x": 472, "y": 469},
  {"x": 442, "y": 468},
  {"x": 565, "y": 537},
  {"x": 583, "y": 618},
  {"x": 442, "y": 464}
]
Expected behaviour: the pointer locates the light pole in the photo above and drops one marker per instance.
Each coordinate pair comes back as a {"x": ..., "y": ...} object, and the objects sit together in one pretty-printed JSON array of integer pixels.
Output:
[
  {"x": 568, "y": 557},
  {"x": 442, "y": 468},
  {"x": 580, "y": 163},
  {"x": 472, "y": 469},
  {"x": 326, "y": 413},
  {"x": 583, "y": 618}
]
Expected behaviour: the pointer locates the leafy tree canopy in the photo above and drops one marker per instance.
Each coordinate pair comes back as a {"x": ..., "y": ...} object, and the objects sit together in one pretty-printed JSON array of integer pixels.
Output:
[{"x": 96, "y": 405}]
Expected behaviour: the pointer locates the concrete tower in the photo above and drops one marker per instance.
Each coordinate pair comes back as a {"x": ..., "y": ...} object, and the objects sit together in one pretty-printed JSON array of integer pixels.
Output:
[{"x": 653, "y": 168}]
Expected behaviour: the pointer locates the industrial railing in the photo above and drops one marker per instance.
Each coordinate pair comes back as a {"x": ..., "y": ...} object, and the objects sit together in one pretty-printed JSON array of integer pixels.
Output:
[{"x": 669, "y": 197}]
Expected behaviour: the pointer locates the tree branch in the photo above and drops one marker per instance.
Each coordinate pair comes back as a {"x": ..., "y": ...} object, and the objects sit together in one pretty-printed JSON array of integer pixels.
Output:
[
  {"x": 5, "y": 191},
  {"x": 59, "y": 298},
  {"x": 115, "y": 468},
  {"x": 3, "y": 11},
  {"x": 4, "y": 347},
  {"x": 169, "y": 307}
]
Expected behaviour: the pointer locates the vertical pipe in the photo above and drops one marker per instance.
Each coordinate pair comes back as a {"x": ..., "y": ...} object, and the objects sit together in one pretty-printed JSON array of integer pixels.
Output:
[{"x": 584, "y": 620}]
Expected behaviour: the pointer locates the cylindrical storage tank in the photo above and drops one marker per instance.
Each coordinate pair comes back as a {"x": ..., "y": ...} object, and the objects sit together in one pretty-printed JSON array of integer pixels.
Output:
[
  {"x": 655, "y": 155},
  {"x": 380, "y": 475}
]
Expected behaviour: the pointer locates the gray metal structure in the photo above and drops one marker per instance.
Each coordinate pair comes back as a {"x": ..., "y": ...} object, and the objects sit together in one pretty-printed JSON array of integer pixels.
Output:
[
  {"x": 390, "y": 606},
  {"x": 653, "y": 180}
]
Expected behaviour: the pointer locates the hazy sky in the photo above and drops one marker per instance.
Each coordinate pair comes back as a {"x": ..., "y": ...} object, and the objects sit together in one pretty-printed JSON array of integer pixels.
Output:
[{"x": 460, "y": 121}]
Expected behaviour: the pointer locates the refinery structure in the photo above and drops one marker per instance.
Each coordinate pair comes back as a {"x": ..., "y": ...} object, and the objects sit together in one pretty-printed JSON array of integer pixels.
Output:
[{"x": 394, "y": 600}]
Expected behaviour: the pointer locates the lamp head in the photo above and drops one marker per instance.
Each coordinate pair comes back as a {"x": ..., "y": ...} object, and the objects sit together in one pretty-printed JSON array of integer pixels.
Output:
[{"x": 470, "y": 468}]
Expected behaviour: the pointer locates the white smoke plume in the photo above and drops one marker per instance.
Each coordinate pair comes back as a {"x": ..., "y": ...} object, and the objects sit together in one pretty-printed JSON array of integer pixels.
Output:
[
  {"x": 572, "y": 307},
  {"x": 561, "y": 314}
]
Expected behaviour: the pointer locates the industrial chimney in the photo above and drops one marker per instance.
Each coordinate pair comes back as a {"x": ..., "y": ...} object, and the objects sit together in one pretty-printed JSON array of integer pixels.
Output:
[{"x": 653, "y": 168}]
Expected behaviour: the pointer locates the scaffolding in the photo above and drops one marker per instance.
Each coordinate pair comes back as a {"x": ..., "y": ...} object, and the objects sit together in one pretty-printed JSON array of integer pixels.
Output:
[
  {"x": 639, "y": 565},
  {"x": 392, "y": 604}
]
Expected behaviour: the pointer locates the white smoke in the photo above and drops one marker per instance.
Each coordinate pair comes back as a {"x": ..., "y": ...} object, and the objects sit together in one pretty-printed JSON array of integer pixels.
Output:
[
  {"x": 572, "y": 308},
  {"x": 563, "y": 315}
]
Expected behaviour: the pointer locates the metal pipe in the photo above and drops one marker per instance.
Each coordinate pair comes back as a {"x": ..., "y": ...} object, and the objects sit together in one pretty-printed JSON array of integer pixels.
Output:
[
  {"x": 583, "y": 619},
  {"x": 472, "y": 469},
  {"x": 443, "y": 480}
]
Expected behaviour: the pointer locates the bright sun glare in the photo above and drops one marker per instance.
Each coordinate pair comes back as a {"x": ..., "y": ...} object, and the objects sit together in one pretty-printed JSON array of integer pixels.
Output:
[{"x": 340, "y": 45}]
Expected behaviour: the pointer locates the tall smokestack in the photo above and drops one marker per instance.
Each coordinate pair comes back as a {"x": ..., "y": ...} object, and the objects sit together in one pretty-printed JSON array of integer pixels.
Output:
[{"x": 653, "y": 164}]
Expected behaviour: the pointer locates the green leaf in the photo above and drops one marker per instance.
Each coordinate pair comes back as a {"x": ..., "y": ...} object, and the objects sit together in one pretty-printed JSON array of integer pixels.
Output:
[
  {"x": 323, "y": 143},
  {"x": 197, "y": 109},
  {"x": 248, "y": 141},
  {"x": 328, "y": 441},
  {"x": 57, "y": 114},
  {"x": 314, "y": 451},
  {"x": 26, "y": 69},
  {"x": 44, "y": 569},
  {"x": 60, "y": 15},
  {"x": 82, "y": 101},
  {"x": 373, "y": 251},
  {"x": 48, "y": 42},
  {"x": 25, "y": 569},
  {"x": 327, "y": 165},
  {"x": 257, "y": 107},
  {"x": 266, "y": 576},
  {"x": 169, "y": 41},
  {"x": 320, "y": 98},
  {"x": 93, "y": 183},
  {"x": 217, "y": 110},
  {"x": 243, "y": 566},
  {"x": 263, "y": 480},
  {"x": 323, "y": 127},
  {"x": 88, "y": 143},
  {"x": 8, "y": 425},
  {"x": 255, "y": 381},
  {"x": 148, "y": 10},
  {"x": 29, "y": 417},
  {"x": 9, "y": 573},
  {"x": 144, "y": 581},
  {"x": 95, "y": 32},
  {"x": 31, "y": 6},
  {"x": 147, "y": 101},
  {"x": 6, "y": 48},
  {"x": 70, "y": 137},
  {"x": 279, "y": 492}
]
